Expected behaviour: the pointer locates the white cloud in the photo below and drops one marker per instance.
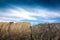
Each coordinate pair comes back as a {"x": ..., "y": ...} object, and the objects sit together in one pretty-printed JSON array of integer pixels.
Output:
[
  {"x": 19, "y": 14},
  {"x": 46, "y": 13}
]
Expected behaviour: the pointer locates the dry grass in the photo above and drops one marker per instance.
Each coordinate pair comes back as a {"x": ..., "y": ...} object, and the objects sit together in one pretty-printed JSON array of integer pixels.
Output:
[
  {"x": 46, "y": 32},
  {"x": 14, "y": 31},
  {"x": 24, "y": 31}
]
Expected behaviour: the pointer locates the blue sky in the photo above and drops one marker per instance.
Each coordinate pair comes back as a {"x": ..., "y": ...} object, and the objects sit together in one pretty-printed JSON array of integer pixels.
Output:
[{"x": 34, "y": 11}]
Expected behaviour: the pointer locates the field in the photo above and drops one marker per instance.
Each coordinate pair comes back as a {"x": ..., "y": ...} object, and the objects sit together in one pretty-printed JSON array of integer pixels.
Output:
[
  {"x": 14, "y": 31},
  {"x": 24, "y": 31}
]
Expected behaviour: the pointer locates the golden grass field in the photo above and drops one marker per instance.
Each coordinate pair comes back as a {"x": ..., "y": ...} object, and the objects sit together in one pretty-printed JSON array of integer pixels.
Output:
[{"x": 14, "y": 31}]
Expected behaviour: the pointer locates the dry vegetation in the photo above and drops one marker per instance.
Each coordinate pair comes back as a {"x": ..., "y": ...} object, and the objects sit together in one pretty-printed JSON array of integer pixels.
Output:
[
  {"x": 14, "y": 31},
  {"x": 46, "y": 31},
  {"x": 24, "y": 31}
]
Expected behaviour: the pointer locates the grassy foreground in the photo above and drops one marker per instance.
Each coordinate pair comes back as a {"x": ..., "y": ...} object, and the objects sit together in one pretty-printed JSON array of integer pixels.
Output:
[{"x": 23, "y": 31}]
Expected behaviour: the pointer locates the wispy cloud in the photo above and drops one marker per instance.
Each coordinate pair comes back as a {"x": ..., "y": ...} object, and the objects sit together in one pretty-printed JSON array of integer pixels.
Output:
[
  {"x": 18, "y": 14},
  {"x": 46, "y": 13}
]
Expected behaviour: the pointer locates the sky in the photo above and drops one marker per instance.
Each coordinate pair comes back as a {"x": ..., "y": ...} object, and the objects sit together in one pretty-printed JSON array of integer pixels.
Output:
[{"x": 33, "y": 11}]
